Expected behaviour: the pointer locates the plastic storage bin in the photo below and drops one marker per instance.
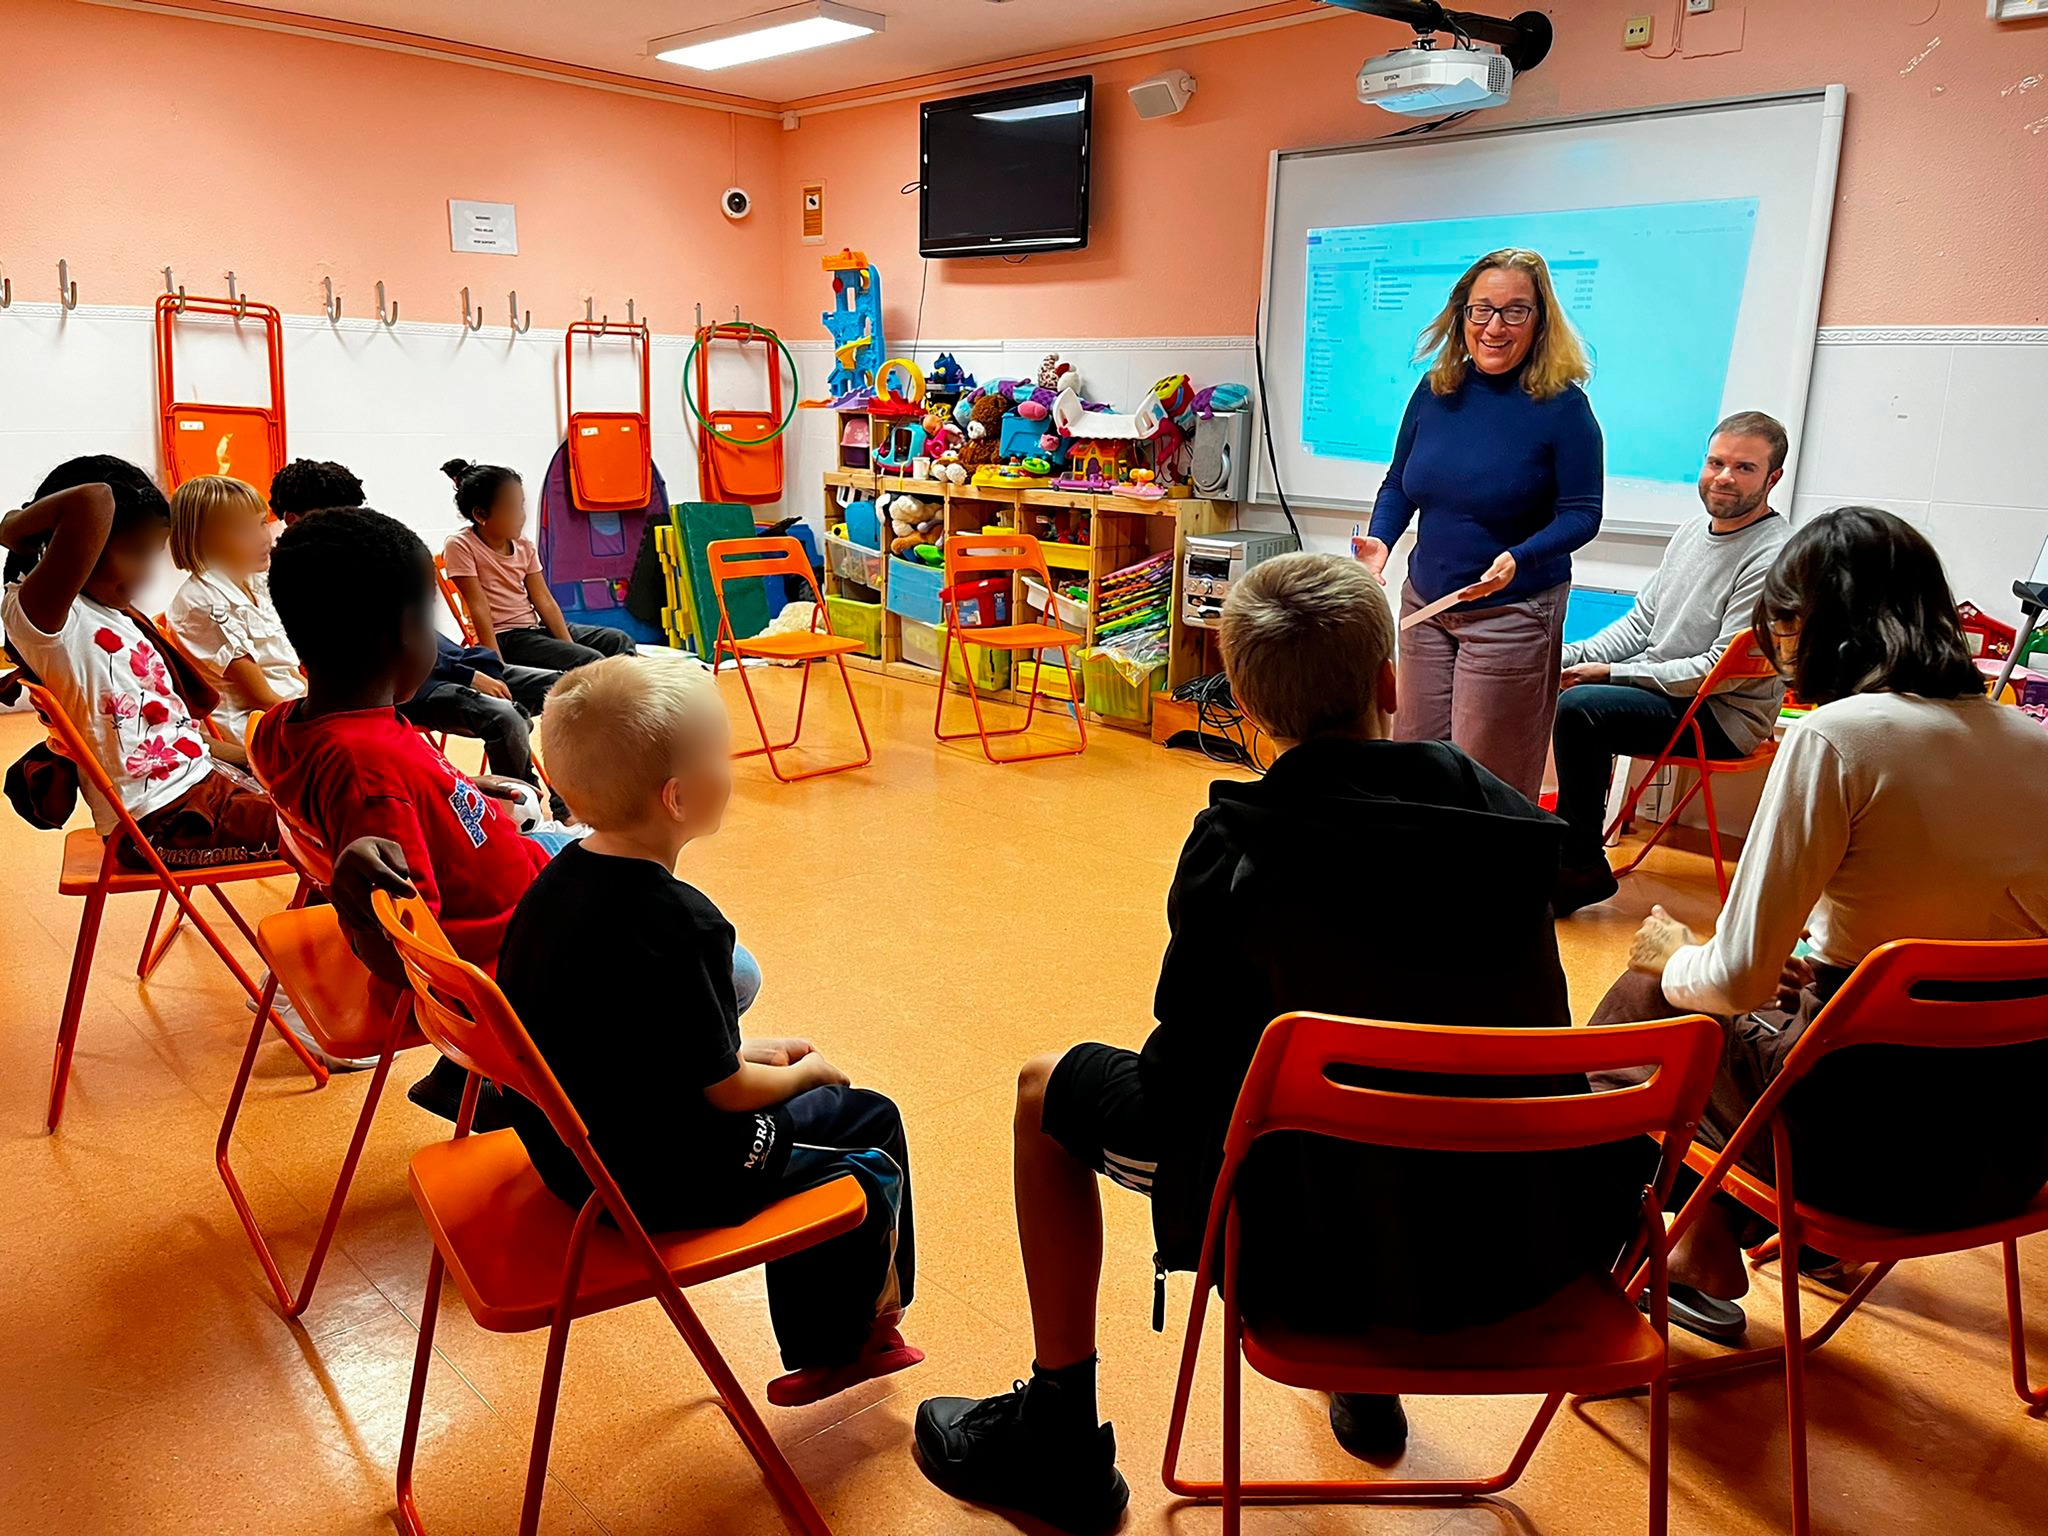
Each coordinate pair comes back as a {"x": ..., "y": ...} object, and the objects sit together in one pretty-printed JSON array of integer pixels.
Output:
[
  {"x": 1069, "y": 614},
  {"x": 914, "y": 590},
  {"x": 857, "y": 621},
  {"x": 852, "y": 562},
  {"x": 1108, "y": 692},
  {"x": 921, "y": 644},
  {"x": 1048, "y": 679}
]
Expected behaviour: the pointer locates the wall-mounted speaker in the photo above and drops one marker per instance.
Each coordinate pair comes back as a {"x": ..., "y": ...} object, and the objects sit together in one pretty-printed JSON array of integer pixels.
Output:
[{"x": 1163, "y": 95}]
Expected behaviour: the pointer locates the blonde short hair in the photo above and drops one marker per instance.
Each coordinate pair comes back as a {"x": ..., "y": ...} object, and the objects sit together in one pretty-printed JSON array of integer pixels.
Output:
[
  {"x": 616, "y": 730},
  {"x": 1304, "y": 640},
  {"x": 1557, "y": 358},
  {"x": 196, "y": 503}
]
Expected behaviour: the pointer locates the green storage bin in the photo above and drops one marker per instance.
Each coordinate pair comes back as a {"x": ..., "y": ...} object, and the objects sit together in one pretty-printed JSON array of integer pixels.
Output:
[
  {"x": 1112, "y": 694},
  {"x": 857, "y": 621},
  {"x": 921, "y": 645}
]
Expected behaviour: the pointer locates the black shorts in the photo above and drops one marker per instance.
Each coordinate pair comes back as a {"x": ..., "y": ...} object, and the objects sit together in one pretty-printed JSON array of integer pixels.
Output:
[{"x": 1095, "y": 1107}]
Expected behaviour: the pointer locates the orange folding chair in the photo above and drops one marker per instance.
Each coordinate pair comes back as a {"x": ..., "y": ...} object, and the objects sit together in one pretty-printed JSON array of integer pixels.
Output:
[
  {"x": 611, "y": 455},
  {"x": 1741, "y": 662},
  {"x": 92, "y": 869},
  {"x": 745, "y": 559},
  {"x": 523, "y": 1260},
  {"x": 971, "y": 555},
  {"x": 1914, "y": 992},
  {"x": 246, "y": 441},
  {"x": 343, "y": 1008},
  {"x": 452, "y": 596},
  {"x": 1591, "y": 1332}
]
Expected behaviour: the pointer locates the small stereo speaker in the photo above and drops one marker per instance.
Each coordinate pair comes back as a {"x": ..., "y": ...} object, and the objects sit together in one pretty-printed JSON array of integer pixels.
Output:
[
  {"x": 1221, "y": 464},
  {"x": 1163, "y": 95}
]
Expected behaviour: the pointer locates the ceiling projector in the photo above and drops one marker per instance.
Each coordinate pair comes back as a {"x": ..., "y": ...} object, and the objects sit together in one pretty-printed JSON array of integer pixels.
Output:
[{"x": 1428, "y": 82}]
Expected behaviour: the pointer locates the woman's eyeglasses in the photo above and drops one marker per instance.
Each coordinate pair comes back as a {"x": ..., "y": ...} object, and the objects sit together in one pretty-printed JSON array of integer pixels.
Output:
[{"x": 1510, "y": 314}]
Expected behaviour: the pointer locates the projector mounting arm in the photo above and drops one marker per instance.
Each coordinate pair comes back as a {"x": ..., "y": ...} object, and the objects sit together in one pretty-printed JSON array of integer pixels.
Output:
[{"x": 1523, "y": 41}]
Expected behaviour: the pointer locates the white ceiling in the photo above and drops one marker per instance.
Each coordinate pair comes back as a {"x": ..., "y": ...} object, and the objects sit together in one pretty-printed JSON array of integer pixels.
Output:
[{"x": 923, "y": 36}]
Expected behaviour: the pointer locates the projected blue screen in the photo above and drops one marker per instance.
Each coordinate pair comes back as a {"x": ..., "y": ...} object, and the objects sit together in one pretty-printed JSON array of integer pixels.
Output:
[{"x": 1654, "y": 289}]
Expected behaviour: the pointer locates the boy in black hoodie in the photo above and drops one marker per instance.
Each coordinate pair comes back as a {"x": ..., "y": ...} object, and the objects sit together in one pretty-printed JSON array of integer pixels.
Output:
[{"x": 1361, "y": 876}]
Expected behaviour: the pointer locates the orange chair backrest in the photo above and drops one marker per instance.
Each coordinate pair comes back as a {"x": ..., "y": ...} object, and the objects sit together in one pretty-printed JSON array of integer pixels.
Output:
[
  {"x": 1741, "y": 662},
  {"x": 302, "y": 845},
  {"x": 452, "y": 596},
  {"x": 985, "y": 554},
  {"x": 72, "y": 745},
  {"x": 1953, "y": 993},
  {"x": 739, "y": 559},
  {"x": 1290, "y": 1087}
]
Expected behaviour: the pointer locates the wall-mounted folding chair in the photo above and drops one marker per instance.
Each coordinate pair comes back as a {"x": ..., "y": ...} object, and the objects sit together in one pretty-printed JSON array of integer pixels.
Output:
[
  {"x": 1917, "y": 993},
  {"x": 1589, "y": 1332},
  {"x": 973, "y": 555},
  {"x": 523, "y": 1260},
  {"x": 1741, "y": 662},
  {"x": 611, "y": 455},
  {"x": 93, "y": 869},
  {"x": 747, "y": 559},
  {"x": 246, "y": 441},
  {"x": 347, "y": 1012}
]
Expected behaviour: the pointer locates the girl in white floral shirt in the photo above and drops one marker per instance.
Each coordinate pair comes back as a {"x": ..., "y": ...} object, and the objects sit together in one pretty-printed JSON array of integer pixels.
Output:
[{"x": 79, "y": 556}]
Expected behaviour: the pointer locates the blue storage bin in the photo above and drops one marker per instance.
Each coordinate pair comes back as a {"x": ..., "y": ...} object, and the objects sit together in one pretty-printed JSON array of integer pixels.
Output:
[{"x": 914, "y": 591}]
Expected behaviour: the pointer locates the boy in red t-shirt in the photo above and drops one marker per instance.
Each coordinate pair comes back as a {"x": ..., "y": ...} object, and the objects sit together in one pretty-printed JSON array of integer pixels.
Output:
[{"x": 356, "y": 592}]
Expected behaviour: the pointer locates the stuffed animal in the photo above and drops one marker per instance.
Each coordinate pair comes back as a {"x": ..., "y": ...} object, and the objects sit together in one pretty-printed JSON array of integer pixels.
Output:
[
  {"x": 1052, "y": 371},
  {"x": 912, "y": 522},
  {"x": 985, "y": 431}
]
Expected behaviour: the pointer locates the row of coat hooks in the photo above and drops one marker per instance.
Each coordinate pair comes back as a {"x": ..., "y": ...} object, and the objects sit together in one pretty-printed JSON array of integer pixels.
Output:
[{"x": 520, "y": 322}]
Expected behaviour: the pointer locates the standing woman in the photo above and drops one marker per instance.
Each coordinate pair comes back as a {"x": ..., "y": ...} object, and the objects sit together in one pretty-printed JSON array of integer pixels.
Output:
[{"x": 1501, "y": 456}]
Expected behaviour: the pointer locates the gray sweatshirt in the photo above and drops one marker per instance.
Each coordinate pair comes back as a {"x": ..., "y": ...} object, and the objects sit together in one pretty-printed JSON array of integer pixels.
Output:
[{"x": 1698, "y": 601}]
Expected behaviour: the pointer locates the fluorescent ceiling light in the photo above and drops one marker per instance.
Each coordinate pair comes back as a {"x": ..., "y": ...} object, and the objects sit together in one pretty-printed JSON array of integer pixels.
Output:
[
  {"x": 1065, "y": 108},
  {"x": 770, "y": 35}
]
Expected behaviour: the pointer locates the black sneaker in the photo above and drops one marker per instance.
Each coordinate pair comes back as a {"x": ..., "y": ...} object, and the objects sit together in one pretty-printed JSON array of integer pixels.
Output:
[
  {"x": 1371, "y": 1426},
  {"x": 1582, "y": 885},
  {"x": 440, "y": 1091},
  {"x": 991, "y": 1450}
]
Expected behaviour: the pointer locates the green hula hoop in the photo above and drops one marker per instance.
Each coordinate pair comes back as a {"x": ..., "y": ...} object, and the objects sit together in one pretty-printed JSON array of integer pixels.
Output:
[{"x": 696, "y": 412}]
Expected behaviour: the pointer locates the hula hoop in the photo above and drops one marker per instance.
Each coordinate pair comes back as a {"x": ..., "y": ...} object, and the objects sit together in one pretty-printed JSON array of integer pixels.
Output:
[{"x": 691, "y": 407}]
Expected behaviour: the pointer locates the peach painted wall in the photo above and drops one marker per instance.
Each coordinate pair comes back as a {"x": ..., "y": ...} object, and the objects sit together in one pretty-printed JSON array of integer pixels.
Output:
[
  {"x": 134, "y": 141},
  {"x": 1944, "y": 170}
]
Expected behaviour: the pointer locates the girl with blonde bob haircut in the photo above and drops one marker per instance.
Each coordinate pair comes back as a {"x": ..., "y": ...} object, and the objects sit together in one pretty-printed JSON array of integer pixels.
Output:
[
  {"x": 1557, "y": 356},
  {"x": 222, "y": 616}
]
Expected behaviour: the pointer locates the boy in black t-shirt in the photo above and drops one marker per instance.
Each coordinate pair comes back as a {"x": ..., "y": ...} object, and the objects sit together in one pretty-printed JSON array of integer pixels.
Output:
[{"x": 699, "y": 1127}]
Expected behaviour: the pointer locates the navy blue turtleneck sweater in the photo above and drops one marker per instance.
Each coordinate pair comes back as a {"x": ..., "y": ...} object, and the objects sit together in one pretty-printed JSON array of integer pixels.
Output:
[{"x": 1491, "y": 469}]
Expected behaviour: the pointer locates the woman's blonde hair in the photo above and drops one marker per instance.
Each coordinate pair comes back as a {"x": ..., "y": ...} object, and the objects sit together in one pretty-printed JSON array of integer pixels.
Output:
[
  {"x": 196, "y": 503},
  {"x": 1557, "y": 357}
]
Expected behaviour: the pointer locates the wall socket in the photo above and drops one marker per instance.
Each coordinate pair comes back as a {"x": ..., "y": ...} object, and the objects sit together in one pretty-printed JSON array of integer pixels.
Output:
[
  {"x": 1698, "y": 7},
  {"x": 1635, "y": 32}
]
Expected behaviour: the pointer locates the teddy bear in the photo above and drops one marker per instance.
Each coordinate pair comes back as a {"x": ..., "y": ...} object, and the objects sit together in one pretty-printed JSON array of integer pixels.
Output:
[
  {"x": 985, "y": 431},
  {"x": 913, "y": 522}
]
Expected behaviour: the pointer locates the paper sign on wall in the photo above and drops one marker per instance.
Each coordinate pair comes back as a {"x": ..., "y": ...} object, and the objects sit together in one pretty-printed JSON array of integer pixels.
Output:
[{"x": 489, "y": 228}]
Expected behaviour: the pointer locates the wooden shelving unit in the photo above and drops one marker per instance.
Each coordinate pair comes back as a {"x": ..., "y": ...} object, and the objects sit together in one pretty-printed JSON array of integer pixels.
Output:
[{"x": 1122, "y": 531}]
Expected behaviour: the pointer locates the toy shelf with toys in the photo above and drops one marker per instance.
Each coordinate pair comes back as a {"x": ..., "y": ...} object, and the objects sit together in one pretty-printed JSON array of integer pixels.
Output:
[{"x": 926, "y": 456}]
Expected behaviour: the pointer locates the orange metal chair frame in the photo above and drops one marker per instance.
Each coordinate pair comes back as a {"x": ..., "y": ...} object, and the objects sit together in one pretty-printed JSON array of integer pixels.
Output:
[
  {"x": 638, "y": 335},
  {"x": 462, "y": 1011},
  {"x": 98, "y": 877},
  {"x": 743, "y": 559},
  {"x": 452, "y": 596},
  {"x": 1880, "y": 1003},
  {"x": 309, "y": 956},
  {"x": 1288, "y": 1089},
  {"x": 1741, "y": 662},
  {"x": 1009, "y": 554},
  {"x": 169, "y": 307}
]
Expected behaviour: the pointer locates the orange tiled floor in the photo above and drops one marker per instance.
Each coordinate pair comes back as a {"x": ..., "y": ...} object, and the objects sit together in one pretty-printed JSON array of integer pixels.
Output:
[{"x": 147, "y": 1383}]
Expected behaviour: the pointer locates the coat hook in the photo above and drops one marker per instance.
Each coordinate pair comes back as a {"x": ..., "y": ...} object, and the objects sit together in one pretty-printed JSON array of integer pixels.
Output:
[
  {"x": 333, "y": 304},
  {"x": 171, "y": 288},
  {"x": 629, "y": 312},
  {"x": 235, "y": 297},
  {"x": 392, "y": 318},
  {"x": 735, "y": 314},
  {"x": 516, "y": 326},
  {"x": 700, "y": 317},
  {"x": 67, "y": 290},
  {"x": 468, "y": 324},
  {"x": 589, "y": 310},
  {"x": 6, "y": 291}
]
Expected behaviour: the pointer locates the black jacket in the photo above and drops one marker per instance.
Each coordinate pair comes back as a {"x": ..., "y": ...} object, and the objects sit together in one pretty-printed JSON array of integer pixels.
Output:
[{"x": 1397, "y": 881}]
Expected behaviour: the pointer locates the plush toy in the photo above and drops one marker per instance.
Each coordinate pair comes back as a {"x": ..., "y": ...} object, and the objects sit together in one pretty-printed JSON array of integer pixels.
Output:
[
  {"x": 985, "y": 431},
  {"x": 913, "y": 522},
  {"x": 1052, "y": 371}
]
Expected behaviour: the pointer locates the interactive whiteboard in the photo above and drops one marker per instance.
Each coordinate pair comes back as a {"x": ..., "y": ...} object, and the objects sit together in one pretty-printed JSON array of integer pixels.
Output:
[{"x": 1687, "y": 243}]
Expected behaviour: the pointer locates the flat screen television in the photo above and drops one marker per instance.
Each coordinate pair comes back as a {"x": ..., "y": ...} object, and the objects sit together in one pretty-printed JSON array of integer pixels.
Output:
[{"x": 1006, "y": 171}]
